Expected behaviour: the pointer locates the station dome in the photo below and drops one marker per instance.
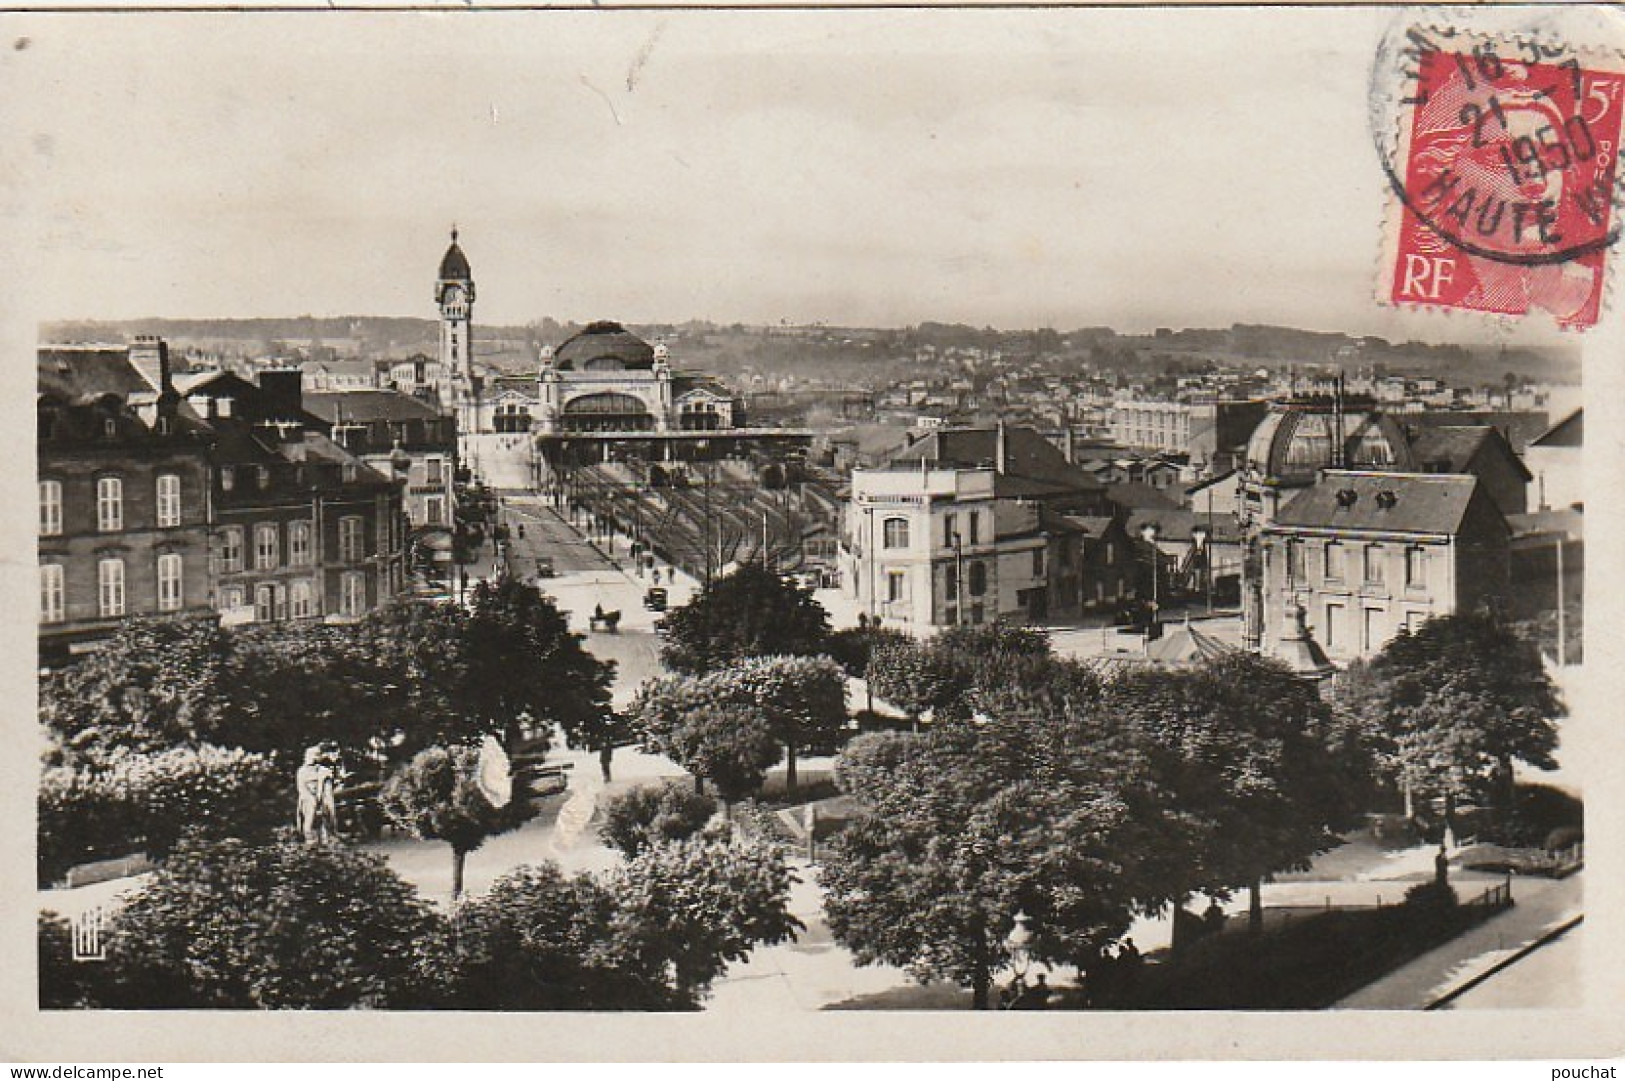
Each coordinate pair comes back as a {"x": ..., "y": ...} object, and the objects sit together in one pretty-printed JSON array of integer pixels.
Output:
[
  {"x": 454, "y": 264},
  {"x": 604, "y": 346}
]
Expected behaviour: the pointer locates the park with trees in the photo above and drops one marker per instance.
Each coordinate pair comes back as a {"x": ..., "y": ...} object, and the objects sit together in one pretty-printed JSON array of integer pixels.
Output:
[{"x": 1023, "y": 807}]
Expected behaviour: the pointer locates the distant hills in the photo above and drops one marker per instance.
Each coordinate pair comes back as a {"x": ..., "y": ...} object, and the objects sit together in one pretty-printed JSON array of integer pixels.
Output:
[{"x": 847, "y": 351}]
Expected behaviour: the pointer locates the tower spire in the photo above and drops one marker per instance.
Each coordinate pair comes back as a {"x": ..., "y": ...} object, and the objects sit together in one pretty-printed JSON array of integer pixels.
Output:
[{"x": 454, "y": 232}]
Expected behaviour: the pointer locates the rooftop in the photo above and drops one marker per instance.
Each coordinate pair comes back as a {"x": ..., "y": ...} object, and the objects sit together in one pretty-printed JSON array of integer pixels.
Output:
[{"x": 1382, "y": 502}]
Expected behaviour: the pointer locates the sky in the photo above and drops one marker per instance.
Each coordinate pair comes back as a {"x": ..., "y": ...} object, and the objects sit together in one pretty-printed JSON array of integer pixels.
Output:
[{"x": 1065, "y": 168}]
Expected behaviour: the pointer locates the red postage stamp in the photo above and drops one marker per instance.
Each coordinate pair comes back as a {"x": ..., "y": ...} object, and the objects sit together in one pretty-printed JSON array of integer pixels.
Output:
[{"x": 1507, "y": 171}]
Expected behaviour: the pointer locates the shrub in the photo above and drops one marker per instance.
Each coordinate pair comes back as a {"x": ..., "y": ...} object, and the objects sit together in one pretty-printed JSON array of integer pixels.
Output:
[
  {"x": 286, "y": 925},
  {"x": 145, "y": 802},
  {"x": 62, "y": 981},
  {"x": 1432, "y": 905},
  {"x": 650, "y": 815},
  {"x": 1538, "y": 810}
]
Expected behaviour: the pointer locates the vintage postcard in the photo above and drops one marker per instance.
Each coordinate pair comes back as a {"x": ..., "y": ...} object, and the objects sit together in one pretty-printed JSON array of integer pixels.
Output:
[{"x": 801, "y": 534}]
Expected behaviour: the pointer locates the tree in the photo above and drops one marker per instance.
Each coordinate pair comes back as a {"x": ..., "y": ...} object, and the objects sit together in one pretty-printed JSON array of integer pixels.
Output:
[
  {"x": 299, "y": 684},
  {"x": 691, "y": 907},
  {"x": 918, "y": 678},
  {"x": 539, "y": 940},
  {"x": 1453, "y": 704},
  {"x": 157, "y": 683},
  {"x": 727, "y": 743},
  {"x": 752, "y": 612},
  {"x": 803, "y": 699},
  {"x": 1263, "y": 771},
  {"x": 436, "y": 796},
  {"x": 653, "y": 935},
  {"x": 287, "y": 925},
  {"x": 955, "y": 840},
  {"x": 522, "y": 659},
  {"x": 654, "y": 814},
  {"x": 851, "y": 648}
]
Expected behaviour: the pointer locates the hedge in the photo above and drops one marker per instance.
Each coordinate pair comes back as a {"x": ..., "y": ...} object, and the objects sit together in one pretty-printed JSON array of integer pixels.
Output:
[{"x": 146, "y": 802}]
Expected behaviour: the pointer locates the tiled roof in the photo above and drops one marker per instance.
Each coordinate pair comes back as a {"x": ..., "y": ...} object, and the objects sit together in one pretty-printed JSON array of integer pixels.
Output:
[
  {"x": 1382, "y": 502},
  {"x": 1132, "y": 495},
  {"x": 1027, "y": 455},
  {"x": 1186, "y": 644},
  {"x": 1178, "y": 524},
  {"x": 88, "y": 371},
  {"x": 1568, "y": 432},
  {"x": 362, "y": 406}
]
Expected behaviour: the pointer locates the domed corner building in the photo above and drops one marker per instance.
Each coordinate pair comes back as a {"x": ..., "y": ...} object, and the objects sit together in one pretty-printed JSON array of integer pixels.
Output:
[{"x": 1298, "y": 439}]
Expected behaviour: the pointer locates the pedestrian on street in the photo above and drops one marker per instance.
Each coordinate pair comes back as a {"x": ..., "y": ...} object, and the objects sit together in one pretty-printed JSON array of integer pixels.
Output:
[{"x": 1037, "y": 996}]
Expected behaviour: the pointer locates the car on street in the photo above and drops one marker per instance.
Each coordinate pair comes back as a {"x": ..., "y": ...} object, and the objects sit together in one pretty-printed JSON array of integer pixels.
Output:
[
  {"x": 654, "y": 599},
  {"x": 545, "y": 568}
]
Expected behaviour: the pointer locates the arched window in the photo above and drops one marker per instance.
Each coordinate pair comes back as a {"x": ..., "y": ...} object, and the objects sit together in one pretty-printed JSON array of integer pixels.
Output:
[{"x": 895, "y": 532}]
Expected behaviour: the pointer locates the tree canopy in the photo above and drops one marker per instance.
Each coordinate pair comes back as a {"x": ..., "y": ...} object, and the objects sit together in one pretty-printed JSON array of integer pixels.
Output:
[
  {"x": 1454, "y": 703},
  {"x": 436, "y": 796},
  {"x": 285, "y": 925},
  {"x": 752, "y": 612}
]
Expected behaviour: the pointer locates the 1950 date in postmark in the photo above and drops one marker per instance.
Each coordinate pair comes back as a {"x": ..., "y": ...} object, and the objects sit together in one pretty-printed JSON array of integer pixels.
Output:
[{"x": 1507, "y": 169}]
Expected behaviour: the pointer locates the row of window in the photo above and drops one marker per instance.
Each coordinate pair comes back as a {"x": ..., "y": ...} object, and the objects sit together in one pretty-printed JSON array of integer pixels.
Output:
[
  {"x": 110, "y": 587},
  {"x": 109, "y": 504},
  {"x": 1334, "y": 563},
  {"x": 301, "y": 548},
  {"x": 1335, "y": 633},
  {"x": 298, "y": 599},
  {"x": 895, "y": 531}
]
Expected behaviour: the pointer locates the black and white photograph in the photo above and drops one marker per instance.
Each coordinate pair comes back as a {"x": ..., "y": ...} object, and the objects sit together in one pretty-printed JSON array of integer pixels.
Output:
[{"x": 758, "y": 519}]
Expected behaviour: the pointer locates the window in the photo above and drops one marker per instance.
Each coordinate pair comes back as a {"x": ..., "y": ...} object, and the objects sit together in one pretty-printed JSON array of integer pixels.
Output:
[
  {"x": 265, "y": 546},
  {"x": 1334, "y": 616},
  {"x": 109, "y": 504},
  {"x": 1294, "y": 561},
  {"x": 270, "y": 603},
  {"x": 352, "y": 593},
  {"x": 50, "y": 508},
  {"x": 975, "y": 524},
  {"x": 169, "y": 501},
  {"x": 262, "y": 475},
  {"x": 1038, "y": 562},
  {"x": 231, "y": 597},
  {"x": 895, "y": 532},
  {"x": 950, "y": 528},
  {"x": 1416, "y": 568},
  {"x": 1373, "y": 630},
  {"x": 351, "y": 549},
  {"x": 110, "y": 587},
  {"x": 433, "y": 470},
  {"x": 896, "y": 586},
  {"x": 299, "y": 544},
  {"x": 302, "y": 599},
  {"x": 1334, "y": 561},
  {"x": 950, "y": 582},
  {"x": 978, "y": 579},
  {"x": 52, "y": 606},
  {"x": 169, "y": 582},
  {"x": 1373, "y": 564},
  {"x": 231, "y": 550},
  {"x": 228, "y": 478},
  {"x": 434, "y": 512}
]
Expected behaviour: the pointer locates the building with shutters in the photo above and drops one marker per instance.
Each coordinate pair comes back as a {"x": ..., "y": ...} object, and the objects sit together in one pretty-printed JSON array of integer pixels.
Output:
[
  {"x": 1365, "y": 554},
  {"x": 124, "y": 497}
]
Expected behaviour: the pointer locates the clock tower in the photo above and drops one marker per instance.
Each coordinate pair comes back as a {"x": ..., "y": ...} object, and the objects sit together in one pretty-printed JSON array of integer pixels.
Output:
[{"x": 454, "y": 293}]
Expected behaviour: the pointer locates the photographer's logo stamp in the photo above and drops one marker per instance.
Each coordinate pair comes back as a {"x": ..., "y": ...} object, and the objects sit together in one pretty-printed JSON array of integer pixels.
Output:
[{"x": 1508, "y": 166}]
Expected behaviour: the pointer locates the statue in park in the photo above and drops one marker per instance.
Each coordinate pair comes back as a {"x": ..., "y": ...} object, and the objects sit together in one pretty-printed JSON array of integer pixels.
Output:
[{"x": 315, "y": 782}]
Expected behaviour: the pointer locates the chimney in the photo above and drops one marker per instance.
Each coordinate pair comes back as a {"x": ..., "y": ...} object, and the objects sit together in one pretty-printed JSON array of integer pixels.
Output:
[
  {"x": 999, "y": 449},
  {"x": 283, "y": 392},
  {"x": 149, "y": 355}
]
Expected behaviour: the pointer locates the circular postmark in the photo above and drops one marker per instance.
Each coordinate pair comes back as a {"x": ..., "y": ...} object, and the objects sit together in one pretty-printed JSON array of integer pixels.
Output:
[{"x": 1503, "y": 146}]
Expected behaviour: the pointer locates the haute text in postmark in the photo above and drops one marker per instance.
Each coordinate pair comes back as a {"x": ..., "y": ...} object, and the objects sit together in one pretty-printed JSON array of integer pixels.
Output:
[{"x": 1507, "y": 168}]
